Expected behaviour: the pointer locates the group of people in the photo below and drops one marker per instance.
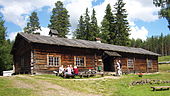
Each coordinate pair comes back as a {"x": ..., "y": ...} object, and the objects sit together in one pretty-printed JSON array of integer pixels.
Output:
[{"x": 68, "y": 71}]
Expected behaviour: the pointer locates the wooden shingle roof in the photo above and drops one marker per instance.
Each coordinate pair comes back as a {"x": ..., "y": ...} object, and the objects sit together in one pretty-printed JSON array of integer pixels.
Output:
[
  {"x": 110, "y": 53},
  {"x": 82, "y": 44}
]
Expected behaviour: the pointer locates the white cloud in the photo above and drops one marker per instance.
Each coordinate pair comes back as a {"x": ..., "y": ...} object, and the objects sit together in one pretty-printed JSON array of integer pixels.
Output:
[
  {"x": 137, "y": 10},
  {"x": 77, "y": 8},
  {"x": 12, "y": 35},
  {"x": 44, "y": 31},
  {"x": 100, "y": 9},
  {"x": 139, "y": 32},
  {"x": 141, "y": 10},
  {"x": 17, "y": 11}
]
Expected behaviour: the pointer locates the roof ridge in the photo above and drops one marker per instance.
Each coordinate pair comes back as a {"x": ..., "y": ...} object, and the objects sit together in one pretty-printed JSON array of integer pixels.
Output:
[
  {"x": 75, "y": 39},
  {"x": 83, "y": 44}
]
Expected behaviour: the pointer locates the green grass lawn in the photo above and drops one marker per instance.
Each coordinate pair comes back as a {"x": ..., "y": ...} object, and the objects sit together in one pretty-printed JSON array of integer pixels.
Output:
[
  {"x": 104, "y": 87},
  {"x": 164, "y": 58},
  {"x": 7, "y": 88},
  {"x": 117, "y": 87},
  {"x": 164, "y": 67}
]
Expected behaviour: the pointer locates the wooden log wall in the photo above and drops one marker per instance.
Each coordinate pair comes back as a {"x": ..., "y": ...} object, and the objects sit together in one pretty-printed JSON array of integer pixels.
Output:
[
  {"x": 26, "y": 54},
  {"x": 140, "y": 63},
  {"x": 67, "y": 57},
  {"x": 21, "y": 57},
  {"x": 154, "y": 64}
]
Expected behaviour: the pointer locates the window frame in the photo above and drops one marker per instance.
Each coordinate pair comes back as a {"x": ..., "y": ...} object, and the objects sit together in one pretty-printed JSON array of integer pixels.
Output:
[
  {"x": 53, "y": 63},
  {"x": 149, "y": 63},
  {"x": 131, "y": 65},
  {"x": 75, "y": 61}
]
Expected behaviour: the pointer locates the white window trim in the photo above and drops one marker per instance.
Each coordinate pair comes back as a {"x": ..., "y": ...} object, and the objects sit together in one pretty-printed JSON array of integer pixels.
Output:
[
  {"x": 84, "y": 65},
  {"x": 53, "y": 60}
]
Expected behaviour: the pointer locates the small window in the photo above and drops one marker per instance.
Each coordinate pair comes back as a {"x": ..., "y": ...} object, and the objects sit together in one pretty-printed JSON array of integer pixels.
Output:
[
  {"x": 80, "y": 61},
  {"x": 54, "y": 60},
  {"x": 149, "y": 63},
  {"x": 130, "y": 63}
]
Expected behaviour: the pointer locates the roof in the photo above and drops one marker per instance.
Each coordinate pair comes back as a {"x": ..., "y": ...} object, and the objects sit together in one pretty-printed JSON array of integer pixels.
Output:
[
  {"x": 82, "y": 44},
  {"x": 110, "y": 53}
]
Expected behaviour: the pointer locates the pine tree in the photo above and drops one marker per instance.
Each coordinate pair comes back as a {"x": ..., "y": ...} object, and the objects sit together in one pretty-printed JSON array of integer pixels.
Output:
[
  {"x": 167, "y": 44},
  {"x": 107, "y": 27},
  {"x": 165, "y": 9},
  {"x": 80, "y": 33},
  {"x": 87, "y": 29},
  {"x": 5, "y": 47},
  {"x": 132, "y": 43},
  {"x": 94, "y": 27},
  {"x": 121, "y": 24},
  {"x": 2, "y": 31},
  {"x": 60, "y": 19},
  {"x": 33, "y": 23},
  {"x": 161, "y": 44},
  {"x": 87, "y": 25}
]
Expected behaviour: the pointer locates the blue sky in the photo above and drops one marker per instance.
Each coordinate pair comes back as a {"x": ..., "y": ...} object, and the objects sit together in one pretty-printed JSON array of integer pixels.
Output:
[{"x": 143, "y": 18}]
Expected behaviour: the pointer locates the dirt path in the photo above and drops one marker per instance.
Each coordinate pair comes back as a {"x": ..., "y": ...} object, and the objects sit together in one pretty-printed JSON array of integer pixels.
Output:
[
  {"x": 101, "y": 78},
  {"x": 105, "y": 77},
  {"x": 45, "y": 88}
]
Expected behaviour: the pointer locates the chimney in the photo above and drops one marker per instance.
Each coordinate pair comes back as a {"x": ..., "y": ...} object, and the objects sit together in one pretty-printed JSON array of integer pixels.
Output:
[
  {"x": 98, "y": 40},
  {"x": 53, "y": 33}
]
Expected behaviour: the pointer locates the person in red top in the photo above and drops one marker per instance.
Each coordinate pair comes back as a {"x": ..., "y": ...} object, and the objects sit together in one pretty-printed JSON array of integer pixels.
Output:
[{"x": 76, "y": 71}]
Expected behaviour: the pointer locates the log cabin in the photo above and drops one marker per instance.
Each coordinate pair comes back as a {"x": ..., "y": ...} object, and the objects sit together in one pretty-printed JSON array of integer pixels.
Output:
[{"x": 36, "y": 54}]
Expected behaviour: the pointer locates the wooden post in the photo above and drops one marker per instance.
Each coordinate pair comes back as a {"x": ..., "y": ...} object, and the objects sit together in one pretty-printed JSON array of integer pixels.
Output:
[{"x": 95, "y": 60}]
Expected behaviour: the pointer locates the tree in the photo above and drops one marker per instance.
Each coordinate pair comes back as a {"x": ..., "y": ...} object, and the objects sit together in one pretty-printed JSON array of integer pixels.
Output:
[
  {"x": 158, "y": 44},
  {"x": 80, "y": 33},
  {"x": 132, "y": 42},
  {"x": 161, "y": 43},
  {"x": 138, "y": 43},
  {"x": 33, "y": 23},
  {"x": 94, "y": 27},
  {"x": 107, "y": 28},
  {"x": 2, "y": 31},
  {"x": 5, "y": 47},
  {"x": 167, "y": 45},
  {"x": 121, "y": 25},
  {"x": 60, "y": 19},
  {"x": 87, "y": 26},
  {"x": 165, "y": 9}
]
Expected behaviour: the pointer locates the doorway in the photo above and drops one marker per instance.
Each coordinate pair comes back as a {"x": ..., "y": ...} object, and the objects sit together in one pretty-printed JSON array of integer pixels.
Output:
[{"x": 108, "y": 63}]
